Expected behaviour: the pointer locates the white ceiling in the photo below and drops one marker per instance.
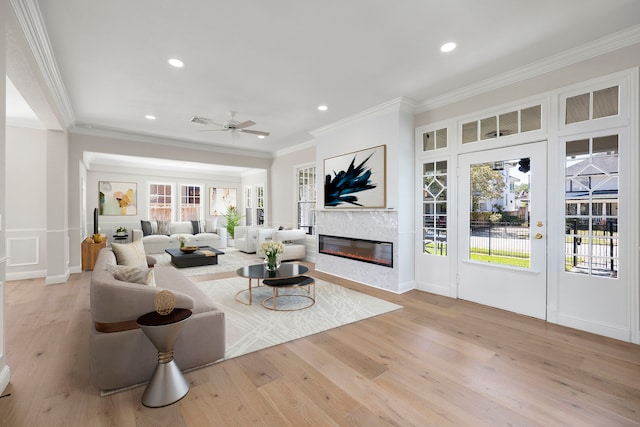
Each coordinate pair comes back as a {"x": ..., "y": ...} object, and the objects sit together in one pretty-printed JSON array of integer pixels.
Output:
[{"x": 274, "y": 62}]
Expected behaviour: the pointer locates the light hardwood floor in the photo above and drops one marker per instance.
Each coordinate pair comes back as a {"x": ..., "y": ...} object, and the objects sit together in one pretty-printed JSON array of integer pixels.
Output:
[{"x": 438, "y": 361}]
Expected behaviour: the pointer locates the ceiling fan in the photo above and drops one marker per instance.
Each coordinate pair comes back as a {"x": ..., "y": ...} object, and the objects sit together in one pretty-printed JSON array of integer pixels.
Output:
[{"x": 231, "y": 126}]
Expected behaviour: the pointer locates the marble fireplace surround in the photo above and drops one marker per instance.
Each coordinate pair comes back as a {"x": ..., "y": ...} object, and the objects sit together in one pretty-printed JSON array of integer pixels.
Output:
[{"x": 368, "y": 224}]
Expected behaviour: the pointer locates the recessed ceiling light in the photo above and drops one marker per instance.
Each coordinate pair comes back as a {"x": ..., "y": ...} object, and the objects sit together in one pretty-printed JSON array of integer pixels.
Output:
[
  {"x": 176, "y": 63},
  {"x": 150, "y": 117},
  {"x": 323, "y": 107},
  {"x": 447, "y": 47}
]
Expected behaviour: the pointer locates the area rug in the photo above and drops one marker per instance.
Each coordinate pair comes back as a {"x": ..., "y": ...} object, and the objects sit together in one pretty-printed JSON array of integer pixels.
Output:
[
  {"x": 253, "y": 327},
  {"x": 232, "y": 260}
]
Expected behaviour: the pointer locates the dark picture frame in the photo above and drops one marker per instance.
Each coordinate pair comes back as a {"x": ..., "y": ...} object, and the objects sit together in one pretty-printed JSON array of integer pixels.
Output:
[{"x": 357, "y": 179}]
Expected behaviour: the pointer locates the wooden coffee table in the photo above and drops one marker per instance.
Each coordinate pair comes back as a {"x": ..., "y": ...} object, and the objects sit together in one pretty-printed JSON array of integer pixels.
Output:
[{"x": 205, "y": 255}]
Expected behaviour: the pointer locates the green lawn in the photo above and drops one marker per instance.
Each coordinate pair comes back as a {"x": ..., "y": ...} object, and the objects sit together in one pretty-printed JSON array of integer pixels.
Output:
[{"x": 503, "y": 260}]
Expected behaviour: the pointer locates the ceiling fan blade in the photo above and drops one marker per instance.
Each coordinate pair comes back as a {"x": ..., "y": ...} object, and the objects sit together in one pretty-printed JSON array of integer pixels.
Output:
[
  {"x": 215, "y": 130},
  {"x": 246, "y": 124},
  {"x": 254, "y": 132}
]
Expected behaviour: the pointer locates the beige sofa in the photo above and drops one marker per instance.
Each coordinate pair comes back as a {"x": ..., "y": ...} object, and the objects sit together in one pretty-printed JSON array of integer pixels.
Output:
[{"x": 121, "y": 356}]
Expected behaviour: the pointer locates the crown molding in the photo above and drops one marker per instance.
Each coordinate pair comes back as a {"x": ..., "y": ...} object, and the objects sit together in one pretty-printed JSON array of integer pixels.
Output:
[
  {"x": 295, "y": 148},
  {"x": 30, "y": 19},
  {"x": 610, "y": 43},
  {"x": 399, "y": 104},
  {"x": 158, "y": 140}
]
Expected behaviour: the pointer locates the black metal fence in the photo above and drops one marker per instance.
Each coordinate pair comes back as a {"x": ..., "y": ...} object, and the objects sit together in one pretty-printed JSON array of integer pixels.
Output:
[{"x": 499, "y": 238}]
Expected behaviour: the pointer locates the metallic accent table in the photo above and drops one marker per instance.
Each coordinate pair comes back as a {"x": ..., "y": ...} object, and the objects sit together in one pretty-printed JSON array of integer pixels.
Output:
[
  {"x": 298, "y": 282},
  {"x": 167, "y": 384},
  {"x": 205, "y": 255},
  {"x": 258, "y": 271}
]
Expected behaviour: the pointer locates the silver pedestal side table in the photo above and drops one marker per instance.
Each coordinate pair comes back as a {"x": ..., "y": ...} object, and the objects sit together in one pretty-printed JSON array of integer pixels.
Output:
[{"x": 167, "y": 384}]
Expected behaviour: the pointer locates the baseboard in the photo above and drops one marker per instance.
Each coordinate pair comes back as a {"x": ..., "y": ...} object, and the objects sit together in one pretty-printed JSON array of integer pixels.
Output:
[
  {"x": 75, "y": 269},
  {"x": 359, "y": 282},
  {"x": 603, "y": 329},
  {"x": 5, "y": 377},
  {"x": 434, "y": 289},
  {"x": 24, "y": 275},
  {"x": 56, "y": 280},
  {"x": 407, "y": 286}
]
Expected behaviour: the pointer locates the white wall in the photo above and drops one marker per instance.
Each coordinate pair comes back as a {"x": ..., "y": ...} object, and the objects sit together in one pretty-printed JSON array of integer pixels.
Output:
[
  {"x": 283, "y": 186},
  {"x": 25, "y": 221},
  {"x": 142, "y": 179},
  {"x": 390, "y": 124}
]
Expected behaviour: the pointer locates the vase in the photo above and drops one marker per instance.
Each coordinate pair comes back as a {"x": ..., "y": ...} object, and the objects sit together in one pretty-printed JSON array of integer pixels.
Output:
[
  {"x": 181, "y": 244},
  {"x": 271, "y": 262}
]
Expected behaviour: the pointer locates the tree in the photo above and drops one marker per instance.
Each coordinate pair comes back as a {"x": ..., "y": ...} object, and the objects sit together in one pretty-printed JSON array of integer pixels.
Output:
[{"x": 486, "y": 184}]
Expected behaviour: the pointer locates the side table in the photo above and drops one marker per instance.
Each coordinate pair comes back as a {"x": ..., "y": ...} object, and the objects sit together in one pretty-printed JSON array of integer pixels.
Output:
[
  {"x": 90, "y": 253},
  {"x": 167, "y": 384}
]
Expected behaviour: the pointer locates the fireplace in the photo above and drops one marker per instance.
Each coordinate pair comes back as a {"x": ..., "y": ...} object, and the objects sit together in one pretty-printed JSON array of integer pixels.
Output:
[{"x": 371, "y": 251}]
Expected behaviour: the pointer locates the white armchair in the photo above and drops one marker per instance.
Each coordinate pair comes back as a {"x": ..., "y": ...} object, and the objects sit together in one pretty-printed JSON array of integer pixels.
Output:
[
  {"x": 293, "y": 240},
  {"x": 246, "y": 238}
]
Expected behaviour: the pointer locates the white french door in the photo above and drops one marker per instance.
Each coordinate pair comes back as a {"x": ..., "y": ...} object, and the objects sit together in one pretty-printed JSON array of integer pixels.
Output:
[{"x": 502, "y": 214}]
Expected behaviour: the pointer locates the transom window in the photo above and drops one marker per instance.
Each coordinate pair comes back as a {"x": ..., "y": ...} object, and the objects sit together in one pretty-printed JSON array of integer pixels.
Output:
[
  {"x": 592, "y": 105},
  {"x": 501, "y": 125}
]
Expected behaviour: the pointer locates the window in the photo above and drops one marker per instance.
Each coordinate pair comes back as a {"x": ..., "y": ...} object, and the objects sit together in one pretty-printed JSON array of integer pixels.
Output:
[
  {"x": 190, "y": 206},
  {"x": 434, "y": 140},
  {"x": 307, "y": 199},
  {"x": 434, "y": 208},
  {"x": 592, "y": 105},
  {"x": 501, "y": 125},
  {"x": 160, "y": 202},
  {"x": 259, "y": 205},
  {"x": 591, "y": 206}
]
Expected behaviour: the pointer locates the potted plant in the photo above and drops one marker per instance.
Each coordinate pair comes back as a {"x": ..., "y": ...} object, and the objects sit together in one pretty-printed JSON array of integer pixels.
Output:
[
  {"x": 121, "y": 231},
  {"x": 233, "y": 218}
]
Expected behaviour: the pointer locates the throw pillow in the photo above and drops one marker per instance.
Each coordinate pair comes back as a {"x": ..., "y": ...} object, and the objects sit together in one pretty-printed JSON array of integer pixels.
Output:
[
  {"x": 141, "y": 275},
  {"x": 146, "y": 228},
  {"x": 164, "y": 227},
  {"x": 196, "y": 226},
  {"x": 130, "y": 254}
]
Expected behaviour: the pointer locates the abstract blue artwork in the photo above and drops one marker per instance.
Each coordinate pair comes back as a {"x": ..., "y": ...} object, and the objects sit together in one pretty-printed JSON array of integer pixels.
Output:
[{"x": 356, "y": 180}]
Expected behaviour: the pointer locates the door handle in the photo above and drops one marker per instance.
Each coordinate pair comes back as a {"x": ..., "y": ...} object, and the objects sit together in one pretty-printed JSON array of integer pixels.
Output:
[{"x": 538, "y": 236}]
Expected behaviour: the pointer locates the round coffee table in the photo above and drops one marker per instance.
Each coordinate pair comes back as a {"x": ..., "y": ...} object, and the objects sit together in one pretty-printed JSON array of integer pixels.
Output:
[
  {"x": 259, "y": 272},
  {"x": 298, "y": 282}
]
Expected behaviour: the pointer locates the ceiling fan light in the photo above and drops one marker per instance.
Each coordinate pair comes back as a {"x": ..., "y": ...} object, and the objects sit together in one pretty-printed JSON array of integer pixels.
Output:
[
  {"x": 150, "y": 117},
  {"x": 261, "y": 137},
  {"x": 323, "y": 107}
]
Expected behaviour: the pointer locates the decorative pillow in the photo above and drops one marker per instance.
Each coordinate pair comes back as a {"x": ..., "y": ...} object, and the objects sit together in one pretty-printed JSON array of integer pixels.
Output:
[
  {"x": 146, "y": 228},
  {"x": 212, "y": 224},
  {"x": 141, "y": 275},
  {"x": 196, "y": 227},
  {"x": 130, "y": 254},
  {"x": 164, "y": 227}
]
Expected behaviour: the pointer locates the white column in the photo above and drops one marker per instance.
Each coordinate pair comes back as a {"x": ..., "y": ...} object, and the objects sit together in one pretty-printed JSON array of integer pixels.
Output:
[{"x": 57, "y": 207}]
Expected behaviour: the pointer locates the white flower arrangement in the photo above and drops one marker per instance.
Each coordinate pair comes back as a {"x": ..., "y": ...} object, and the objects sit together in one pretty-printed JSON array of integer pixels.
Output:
[
  {"x": 184, "y": 238},
  {"x": 271, "y": 248}
]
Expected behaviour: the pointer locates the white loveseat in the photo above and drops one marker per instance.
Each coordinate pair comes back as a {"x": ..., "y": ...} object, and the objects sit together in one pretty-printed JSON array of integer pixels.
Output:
[{"x": 157, "y": 243}]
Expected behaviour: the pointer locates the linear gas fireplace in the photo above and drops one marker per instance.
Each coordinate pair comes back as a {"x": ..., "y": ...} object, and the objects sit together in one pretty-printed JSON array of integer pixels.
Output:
[{"x": 371, "y": 251}]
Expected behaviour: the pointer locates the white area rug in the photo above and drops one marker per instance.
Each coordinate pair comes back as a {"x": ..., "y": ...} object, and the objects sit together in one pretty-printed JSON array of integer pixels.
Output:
[
  {"x": 253, "y": 327},
  {"x": 232, "y": 260}
]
